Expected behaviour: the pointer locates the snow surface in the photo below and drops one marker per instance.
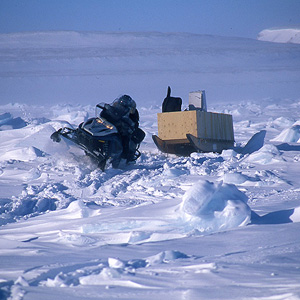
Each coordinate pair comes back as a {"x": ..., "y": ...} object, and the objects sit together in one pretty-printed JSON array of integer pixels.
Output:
[
  {"x": 91, "y": 67},
  {"x": 208, "y": 226}
]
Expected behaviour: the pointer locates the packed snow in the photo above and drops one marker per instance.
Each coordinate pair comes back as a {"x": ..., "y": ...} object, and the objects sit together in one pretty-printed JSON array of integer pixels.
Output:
[{"x": 207, "y": 226}]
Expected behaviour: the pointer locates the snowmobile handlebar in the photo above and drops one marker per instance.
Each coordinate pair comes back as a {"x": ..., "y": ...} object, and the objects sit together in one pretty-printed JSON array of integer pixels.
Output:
[{"x": 101, "y": 105}]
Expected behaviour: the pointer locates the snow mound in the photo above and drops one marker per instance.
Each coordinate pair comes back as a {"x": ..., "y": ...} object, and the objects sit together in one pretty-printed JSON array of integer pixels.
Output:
[
  {"x": 289, "y": 135},
  {"x": 77, "y": 210},
  {"x": 22, "y": 154},
  {"x": 165, "y": 257},
  {"x": 7, "y": 122},
  {"x": 266, "y": 155},
  {"x": 282, "y": 122},
  {"x": 235, "y": 178},
  {"x": 209, "y": 207},
  {"x": 288, "y": 35}
]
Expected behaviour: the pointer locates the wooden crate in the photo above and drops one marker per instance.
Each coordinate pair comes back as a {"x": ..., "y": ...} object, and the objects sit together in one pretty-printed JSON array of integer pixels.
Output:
[{"x": 201, "y": 124}]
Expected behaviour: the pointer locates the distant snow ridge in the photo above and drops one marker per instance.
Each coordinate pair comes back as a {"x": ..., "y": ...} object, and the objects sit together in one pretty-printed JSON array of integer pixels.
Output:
[
  {"x": 288, "y": 35},
  {"x": 8, "y": 122}
]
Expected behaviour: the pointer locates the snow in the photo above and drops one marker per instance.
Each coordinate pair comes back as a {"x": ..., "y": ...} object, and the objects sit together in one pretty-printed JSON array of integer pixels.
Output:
[
  {"x": 208, "y": 207},
  {"x": 207, "y": 226},
  {"x": 289, "y": 135},
  {"x": 280, "y": 35},
  {"x": 89, "y": 67}
]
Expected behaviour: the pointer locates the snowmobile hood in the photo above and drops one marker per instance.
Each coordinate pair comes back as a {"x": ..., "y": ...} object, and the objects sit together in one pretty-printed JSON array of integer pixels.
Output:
[{"x": 98, "y": 127}]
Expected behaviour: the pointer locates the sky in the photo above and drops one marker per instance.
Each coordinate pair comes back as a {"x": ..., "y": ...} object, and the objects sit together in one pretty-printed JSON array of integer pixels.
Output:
[{"x": 242, "y": 18}]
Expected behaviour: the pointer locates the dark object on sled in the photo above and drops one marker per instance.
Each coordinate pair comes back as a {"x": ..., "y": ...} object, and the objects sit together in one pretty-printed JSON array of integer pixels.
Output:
[
  {"x": 171, "y": 103},
  {"x": 100, "y": 140},
  {"x": 184, "y": 132}
]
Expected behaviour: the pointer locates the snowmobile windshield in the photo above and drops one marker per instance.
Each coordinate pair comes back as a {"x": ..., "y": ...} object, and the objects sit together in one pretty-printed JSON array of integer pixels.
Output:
[{"x": 99, "y": 108}]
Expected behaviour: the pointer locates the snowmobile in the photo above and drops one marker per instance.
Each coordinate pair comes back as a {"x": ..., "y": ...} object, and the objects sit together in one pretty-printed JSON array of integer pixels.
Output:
[{"x": 100, "y": 140}]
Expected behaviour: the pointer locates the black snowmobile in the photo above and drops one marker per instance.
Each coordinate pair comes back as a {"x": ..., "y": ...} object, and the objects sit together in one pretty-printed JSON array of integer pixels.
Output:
[{"x": 101, "y": 140}]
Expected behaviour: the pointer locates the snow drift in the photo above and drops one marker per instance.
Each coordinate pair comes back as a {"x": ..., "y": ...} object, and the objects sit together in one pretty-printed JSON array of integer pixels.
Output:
[{"x": 280, "y": 35}]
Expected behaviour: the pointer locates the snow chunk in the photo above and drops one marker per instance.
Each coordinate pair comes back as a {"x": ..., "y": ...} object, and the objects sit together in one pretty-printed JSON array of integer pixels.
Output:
[
  {"x": 266, "y": 155},
  {"x": 138, "y": 236},
  {"x": 77, "y": 210},
  {"x": 229, "y": 154},
  {"x": 202, "y": 268},
  {"x": 172, "y": 172},
  {"x": 115, "y": 263},
  {"x": 289, "y": 135},
  {"x": 235, "y": 178},
  {"x": 165, "y": 257},
  {"x": 295, "y": 217},
  {"x": 109, "y": 277},
  {"x": 58, "y": 281},
  {"x": 210, "y": 207},
  {"x": 22, "y": 154}
]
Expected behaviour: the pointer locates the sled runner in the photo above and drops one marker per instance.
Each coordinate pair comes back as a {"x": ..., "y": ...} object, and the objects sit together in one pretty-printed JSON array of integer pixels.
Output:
[{"x": 193, "y": 130}]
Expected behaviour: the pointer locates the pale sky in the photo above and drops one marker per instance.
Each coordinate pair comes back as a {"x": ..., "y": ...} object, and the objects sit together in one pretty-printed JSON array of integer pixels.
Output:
[{"x": 242, "y": 18}]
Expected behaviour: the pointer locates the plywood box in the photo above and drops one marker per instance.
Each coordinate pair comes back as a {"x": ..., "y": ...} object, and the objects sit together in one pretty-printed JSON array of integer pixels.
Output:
[{"x": 201, "y": 124}]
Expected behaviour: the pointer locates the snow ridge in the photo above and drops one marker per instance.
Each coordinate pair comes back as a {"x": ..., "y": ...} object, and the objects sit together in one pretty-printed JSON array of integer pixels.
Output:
[{"x": 280, "y": 35}]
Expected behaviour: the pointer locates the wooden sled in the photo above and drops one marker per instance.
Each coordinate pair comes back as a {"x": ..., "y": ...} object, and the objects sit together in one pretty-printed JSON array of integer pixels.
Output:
[
  {"x": 194, "y": 144},
  {"x": 185, "y": 132},
  {"x": 178, "y": 147}
]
